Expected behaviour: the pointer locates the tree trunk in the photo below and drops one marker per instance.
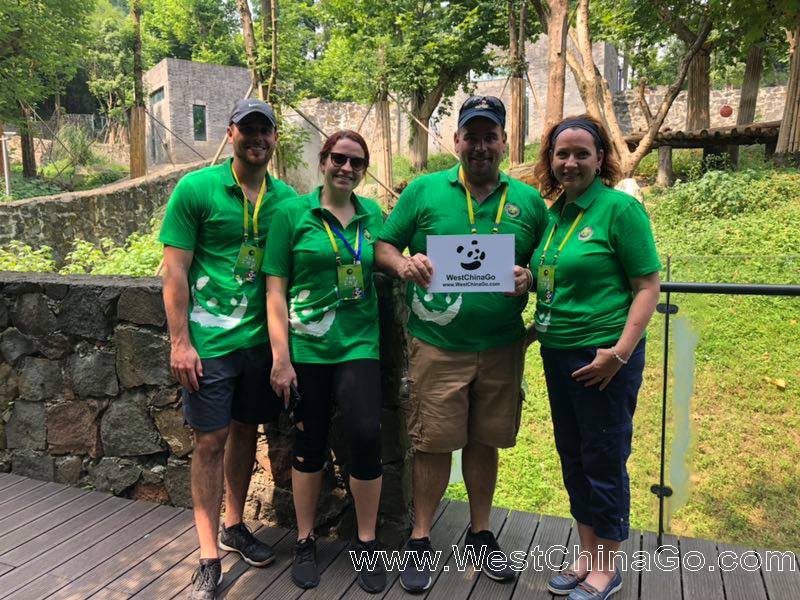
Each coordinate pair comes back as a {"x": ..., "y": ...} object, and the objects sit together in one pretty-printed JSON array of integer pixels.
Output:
[
  {"x": 557, "y": 28},
  {"x": 665, "y": 177},
  {"x": 787, "y": 148},
  {"x": 697, "y": 97},
  {"x": 516, "y": 140},
  {"x": 250, "y": 43},
  {"x": 138, "y": 159},
  {"x": 749, "y": 94},
  {"x": 26, "y": 143},
  {"x": 422, "y": 108},
  {"x": 266, "y": 42},
  {"x": 385, "y": 147}
]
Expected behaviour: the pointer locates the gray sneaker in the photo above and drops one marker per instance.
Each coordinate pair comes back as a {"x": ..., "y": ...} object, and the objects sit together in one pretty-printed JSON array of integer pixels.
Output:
[
  {"x": 239, "y": 539},
  {"x": 415, "y": 575},
  {"x": 206, "y": 580}
]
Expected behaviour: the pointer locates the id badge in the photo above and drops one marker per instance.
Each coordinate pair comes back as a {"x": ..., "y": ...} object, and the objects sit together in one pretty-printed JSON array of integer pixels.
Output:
[
  {"x": 350, "y": 280},
  {"x": 546, "y": 283},
  {"x": 248, "y": 263}
]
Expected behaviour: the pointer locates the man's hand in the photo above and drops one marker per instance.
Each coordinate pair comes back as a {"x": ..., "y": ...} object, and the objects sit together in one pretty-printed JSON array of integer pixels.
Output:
[
  {"x": 523, "y": 279},
  {"x": 601, "y": 370},
  {"x": 281, "y": 378},
  {"x": 186, "y": 367},
  {"x": 418, "y": 269}
]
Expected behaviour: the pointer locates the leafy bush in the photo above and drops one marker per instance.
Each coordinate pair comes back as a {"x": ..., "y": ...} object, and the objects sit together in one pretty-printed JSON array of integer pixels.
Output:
[
  {"x": 78, "y": 144},
  {"x": 139, "y": 256},
  {"x": 21, "y": 257},
  {"x": 726, "y": 194}
]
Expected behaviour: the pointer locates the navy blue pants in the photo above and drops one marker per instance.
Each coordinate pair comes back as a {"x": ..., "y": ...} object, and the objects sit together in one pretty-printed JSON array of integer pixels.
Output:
[{"x": 593, "y": 431}]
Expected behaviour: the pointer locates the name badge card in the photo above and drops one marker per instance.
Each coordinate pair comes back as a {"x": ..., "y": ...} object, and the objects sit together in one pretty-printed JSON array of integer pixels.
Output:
[{"x": 472, "y": 263}]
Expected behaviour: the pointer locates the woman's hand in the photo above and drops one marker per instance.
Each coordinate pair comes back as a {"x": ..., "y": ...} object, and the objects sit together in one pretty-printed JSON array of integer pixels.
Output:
[
  {"x": 281, "y": 378},
  {"x": 523, "y": 280},
  {"x": 601, "y": 370}
]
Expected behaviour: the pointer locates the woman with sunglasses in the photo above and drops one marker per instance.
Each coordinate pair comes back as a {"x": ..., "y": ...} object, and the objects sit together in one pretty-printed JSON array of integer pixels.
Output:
[{"x": 323, "y": 327}]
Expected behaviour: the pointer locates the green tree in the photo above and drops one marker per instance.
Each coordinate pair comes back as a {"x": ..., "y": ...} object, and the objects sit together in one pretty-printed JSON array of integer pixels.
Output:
[
  {"x": 41, "y": 43},
  {"x": 429, "y": 49}
]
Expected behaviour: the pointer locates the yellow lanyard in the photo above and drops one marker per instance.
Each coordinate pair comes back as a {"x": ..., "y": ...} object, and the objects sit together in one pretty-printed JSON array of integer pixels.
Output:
[
  {"x": 471, "y": 211},
  {"x": 356, "y": 254},
  {"x": 563, "y": 242},
  {"x": 245, "y": 201}
]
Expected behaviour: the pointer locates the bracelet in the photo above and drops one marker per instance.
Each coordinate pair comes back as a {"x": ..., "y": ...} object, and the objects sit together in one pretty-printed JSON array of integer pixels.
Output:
[
  {"x": 530, "y": 280},
  {"x": 617, "y": 356}
]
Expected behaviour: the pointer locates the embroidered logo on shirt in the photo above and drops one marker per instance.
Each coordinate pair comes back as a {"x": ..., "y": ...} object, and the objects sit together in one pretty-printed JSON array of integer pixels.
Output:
[
  {"x": 585, "y": 233},
  {"x": 367, "y": 234},
  {"x": 512, "y": 210}
]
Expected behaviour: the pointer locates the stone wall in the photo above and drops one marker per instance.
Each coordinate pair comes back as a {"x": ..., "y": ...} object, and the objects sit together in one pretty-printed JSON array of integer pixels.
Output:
[
  {"x": 87, "y": 399},
  {"x": 114, "y": 211},
  {"x": 769, "y": 107}
]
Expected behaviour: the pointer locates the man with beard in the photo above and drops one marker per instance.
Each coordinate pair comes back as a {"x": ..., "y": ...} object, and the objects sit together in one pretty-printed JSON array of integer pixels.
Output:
[
  {"x": 466, "y": 351},
  {"x": 214, "y": 233}
]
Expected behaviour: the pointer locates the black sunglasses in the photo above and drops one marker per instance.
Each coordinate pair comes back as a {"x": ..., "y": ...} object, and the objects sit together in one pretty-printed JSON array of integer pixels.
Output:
[{"x": 356, "y": 162}]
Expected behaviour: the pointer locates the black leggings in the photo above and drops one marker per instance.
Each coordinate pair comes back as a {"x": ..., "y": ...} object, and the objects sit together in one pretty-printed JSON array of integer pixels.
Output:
[{"x": 355, "y": 386}]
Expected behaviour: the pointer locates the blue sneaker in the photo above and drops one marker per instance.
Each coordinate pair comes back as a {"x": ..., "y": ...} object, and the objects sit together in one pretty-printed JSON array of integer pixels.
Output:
[
  {"x": 563, "y": 583},
  {"x": 584, "y": 591}
]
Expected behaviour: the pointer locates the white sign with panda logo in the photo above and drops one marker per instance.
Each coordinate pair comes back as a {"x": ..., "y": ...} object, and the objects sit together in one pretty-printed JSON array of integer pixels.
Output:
[{"x": 472, "y": 263}]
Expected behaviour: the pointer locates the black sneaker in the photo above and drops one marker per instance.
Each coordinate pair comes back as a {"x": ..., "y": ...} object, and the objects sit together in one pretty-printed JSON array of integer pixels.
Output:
[
  {"x": 484, "y": 543},
  {"x": 206, "y": 580},
  {"x": 415, "y": 575},
  {"x": 239, "y": 539},
  {"x": 304, "y": 566},
  {"x": 371, "y": 580}
]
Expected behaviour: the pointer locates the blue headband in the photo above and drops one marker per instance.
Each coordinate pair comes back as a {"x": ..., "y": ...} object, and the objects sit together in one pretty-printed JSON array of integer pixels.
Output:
[{"x": 584, "y": 124}]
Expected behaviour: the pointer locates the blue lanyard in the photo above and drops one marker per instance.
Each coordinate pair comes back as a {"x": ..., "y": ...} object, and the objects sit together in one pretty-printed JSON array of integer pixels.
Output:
[{"x": 359, "y": 246}]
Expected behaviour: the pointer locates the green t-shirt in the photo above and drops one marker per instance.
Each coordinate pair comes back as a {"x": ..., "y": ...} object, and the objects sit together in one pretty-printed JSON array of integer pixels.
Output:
[
  {"x": 205, "y": 215},
  {"x": 611, "y": 244},
  {"x": 436, "y": 204},
  {"x": 323, "y": 328}
]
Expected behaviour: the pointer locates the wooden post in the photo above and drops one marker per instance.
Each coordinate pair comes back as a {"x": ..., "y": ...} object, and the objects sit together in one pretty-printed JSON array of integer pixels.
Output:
[
  {"x": 749, "y": 94},
  {"x": 665, "y": 177},
  {"x": 517, "y": 49},
  {"x": 557, "y": 28},
  {"x": 385, "y": 162},
  {"x": 138, "y": 160}
]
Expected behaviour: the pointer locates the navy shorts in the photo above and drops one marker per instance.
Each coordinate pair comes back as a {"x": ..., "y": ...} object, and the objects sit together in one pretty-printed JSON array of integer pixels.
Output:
[
  {"x": 593, "y": 431},
  {"x": 233, "y": 387}
]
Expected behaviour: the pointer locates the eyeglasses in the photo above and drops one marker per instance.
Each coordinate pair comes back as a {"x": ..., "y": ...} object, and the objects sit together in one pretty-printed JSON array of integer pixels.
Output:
[{"x": 356, "y": 162}]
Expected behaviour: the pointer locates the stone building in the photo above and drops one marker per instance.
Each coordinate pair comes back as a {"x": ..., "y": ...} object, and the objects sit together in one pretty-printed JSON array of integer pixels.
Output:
[{"x": 189, "y": 104}]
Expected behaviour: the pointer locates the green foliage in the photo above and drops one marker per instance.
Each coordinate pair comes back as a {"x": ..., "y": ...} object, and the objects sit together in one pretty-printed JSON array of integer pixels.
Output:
[
  {"x": 21, "y": 257},
  {"x": 728, "y": 194},
  {"x": 75, "y": 146},
  {"x": 139, "y": 256},
  {"x": 22, "y": 187},
  {"x": 292, "y": 140},
  {"x": 40, "y": 47}
]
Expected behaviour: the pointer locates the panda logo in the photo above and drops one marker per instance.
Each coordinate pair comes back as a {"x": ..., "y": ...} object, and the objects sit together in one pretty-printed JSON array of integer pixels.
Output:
[{"x": 473, "y": 258}]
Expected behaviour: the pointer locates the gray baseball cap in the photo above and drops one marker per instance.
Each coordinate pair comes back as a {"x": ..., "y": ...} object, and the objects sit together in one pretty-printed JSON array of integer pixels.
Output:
[
  {"x": 247, "y": 106},
  {"x": 488, "y": 107}
]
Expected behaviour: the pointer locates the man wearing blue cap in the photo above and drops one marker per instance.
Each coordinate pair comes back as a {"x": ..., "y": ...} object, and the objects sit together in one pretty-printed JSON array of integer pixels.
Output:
[
  {"x": 466, "y": 351},
  {"x": 214, "y": 232}
]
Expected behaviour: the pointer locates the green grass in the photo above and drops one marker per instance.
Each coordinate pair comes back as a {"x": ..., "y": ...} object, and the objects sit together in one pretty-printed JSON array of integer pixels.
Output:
[
  {"x": 744, "y": 457},
  {"x": 59, "y": 176}
]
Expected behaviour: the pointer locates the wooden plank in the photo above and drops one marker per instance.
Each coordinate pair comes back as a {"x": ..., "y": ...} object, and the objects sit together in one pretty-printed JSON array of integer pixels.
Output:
[
  {"x": 705, "y": 583},
  {"x": 284, "y": 588},
  {"x": 109, "y": 594},
  {"x": 7, "y": 509},
  {"x": 44, "y": 507},
  {"x": 517, "y": 534},
  {"x": 657, "y": 583},
  {"x": 8, "y": 479},
  {"x": 356, "y": 593},
  {"x": 781, "y": 574},
  {"x": 5, "y": 568},
  {"x": 44, "y": 541},
  {"x": 157, "y": 564},
  {"x": 450, "y": 527},
  {"x": 630, "y": 578},
  {"x": 254, "y": 581},
  {"x": 17, "y": 489},
  {"x": 741, "y": 583},
  {"x": 457, "y": 580},
  {"x": 532, "y": 583},
  {"x": 87, "y": 537},
  {"x": 107, "y": 571},
  {"x": 47, "y": 522},
  {"x": 173, "y": 581}
]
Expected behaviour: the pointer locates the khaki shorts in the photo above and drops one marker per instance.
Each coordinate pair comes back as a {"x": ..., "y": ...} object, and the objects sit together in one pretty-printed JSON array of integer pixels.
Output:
[{"x": 457, "y": 397}]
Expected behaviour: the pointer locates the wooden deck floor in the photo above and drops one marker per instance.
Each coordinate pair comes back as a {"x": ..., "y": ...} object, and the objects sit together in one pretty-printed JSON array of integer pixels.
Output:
[{"x": 58, "y": 542}]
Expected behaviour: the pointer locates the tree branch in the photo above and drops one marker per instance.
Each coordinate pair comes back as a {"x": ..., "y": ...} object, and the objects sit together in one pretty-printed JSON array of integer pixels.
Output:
[{"x": 643, "y": 105}]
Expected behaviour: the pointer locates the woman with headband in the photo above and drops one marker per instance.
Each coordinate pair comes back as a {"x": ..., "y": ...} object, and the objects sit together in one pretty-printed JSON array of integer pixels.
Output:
[
  {"x": 597, "y": 286},
  {"x": 322, "y": 311}
]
